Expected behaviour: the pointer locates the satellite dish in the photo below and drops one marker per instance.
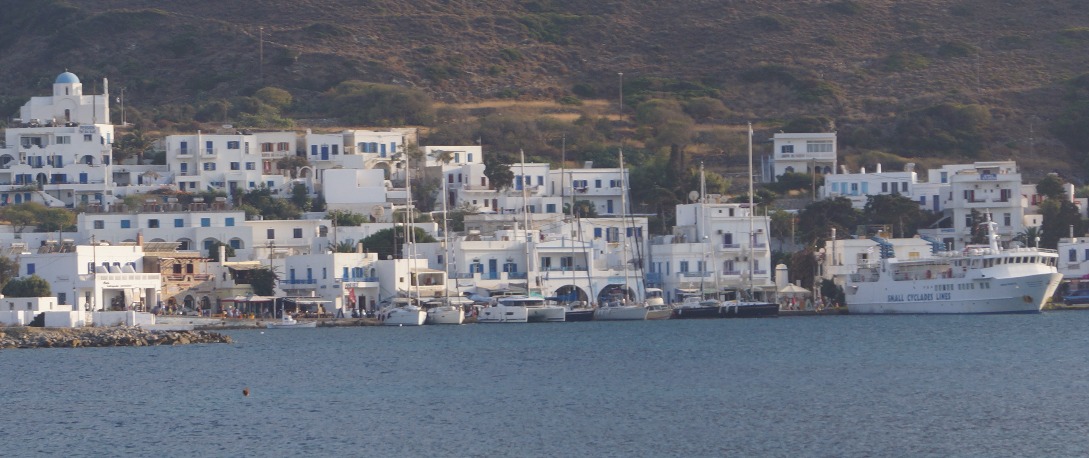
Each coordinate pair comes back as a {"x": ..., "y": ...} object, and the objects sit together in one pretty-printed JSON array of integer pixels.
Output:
[
  {"x": 694, "y": 196},
  {"x": 377, "y": 211}
]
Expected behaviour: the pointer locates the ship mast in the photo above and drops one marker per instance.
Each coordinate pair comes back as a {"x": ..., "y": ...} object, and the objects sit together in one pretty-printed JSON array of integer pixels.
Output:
[{"x": 752, "y": 235}]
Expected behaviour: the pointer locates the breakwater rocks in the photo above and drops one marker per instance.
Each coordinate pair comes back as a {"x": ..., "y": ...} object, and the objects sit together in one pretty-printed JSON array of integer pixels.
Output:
[{"x": 25, "y": 337}]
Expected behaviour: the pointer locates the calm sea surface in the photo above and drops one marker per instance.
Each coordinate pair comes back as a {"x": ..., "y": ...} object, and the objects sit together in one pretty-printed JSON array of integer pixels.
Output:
[{"x": 1003, "y": 385}]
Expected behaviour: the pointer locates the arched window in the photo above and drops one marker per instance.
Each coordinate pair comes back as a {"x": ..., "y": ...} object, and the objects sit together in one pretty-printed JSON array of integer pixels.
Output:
[{"x": 789, "y": 170}]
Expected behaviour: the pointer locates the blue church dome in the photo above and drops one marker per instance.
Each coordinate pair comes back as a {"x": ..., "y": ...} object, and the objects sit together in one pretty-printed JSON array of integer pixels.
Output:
[{"x": 67, "y": 78}]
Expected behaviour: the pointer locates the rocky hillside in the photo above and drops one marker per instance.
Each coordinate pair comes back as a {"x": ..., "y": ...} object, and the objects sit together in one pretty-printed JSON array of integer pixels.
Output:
[{"x": 865, "y": 65}]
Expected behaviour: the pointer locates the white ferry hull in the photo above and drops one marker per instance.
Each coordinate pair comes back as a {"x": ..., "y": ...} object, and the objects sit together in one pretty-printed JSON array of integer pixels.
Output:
[
  {"x": 1023, "y": 294},
  {"x": 503, "y": 314},
  {"x": 624, "y": 312}
]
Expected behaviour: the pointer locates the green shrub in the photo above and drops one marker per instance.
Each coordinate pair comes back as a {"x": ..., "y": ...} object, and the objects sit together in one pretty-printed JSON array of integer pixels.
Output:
[
  {"x": 904, "y": 61},
  {"x": 848, "y": 7}
]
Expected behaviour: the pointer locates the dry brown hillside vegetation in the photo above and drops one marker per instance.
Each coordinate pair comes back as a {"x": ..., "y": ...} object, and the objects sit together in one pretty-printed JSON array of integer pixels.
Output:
[{"x": 926, "y": 80}]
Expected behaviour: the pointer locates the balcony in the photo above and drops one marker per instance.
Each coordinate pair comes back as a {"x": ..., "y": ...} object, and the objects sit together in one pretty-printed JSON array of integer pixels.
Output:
[
  {"x": 299, "y": 281},
  {"x": 731, "y": 246}
]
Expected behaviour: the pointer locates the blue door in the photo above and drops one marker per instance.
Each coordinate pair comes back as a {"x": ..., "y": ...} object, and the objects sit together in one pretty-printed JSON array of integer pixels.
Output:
[
  {"x": 493, "y": 268},
  {"x": 325, "y": 152},
  {"x": 609, "y": 207},
  {"x": 83, "y": 178}
]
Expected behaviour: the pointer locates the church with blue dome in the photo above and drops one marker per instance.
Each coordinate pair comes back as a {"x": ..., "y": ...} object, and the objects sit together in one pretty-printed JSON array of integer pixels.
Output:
[{"x": 69, "y": 104}]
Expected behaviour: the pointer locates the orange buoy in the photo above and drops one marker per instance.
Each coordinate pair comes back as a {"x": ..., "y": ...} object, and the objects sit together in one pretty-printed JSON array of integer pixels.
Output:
[{"x": 246, "y": 391}]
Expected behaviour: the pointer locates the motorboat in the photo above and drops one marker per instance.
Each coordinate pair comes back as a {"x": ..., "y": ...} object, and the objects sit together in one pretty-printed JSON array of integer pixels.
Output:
[
  {"x": 289, "y": 322},
  {"x": 657, "y": 309},
  {"x": 503, "y": 312},
  {"x": 695, "y": 306},
  {"x": 620, "y": 310},
  {"x": 537, "y": 311},
  {"x": 577, "y": 311},
  {"x": 402, "y": 312}
]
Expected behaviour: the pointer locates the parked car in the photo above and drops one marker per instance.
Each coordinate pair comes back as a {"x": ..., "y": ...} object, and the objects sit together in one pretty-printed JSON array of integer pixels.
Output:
[{"x": 1077, "y": 297}]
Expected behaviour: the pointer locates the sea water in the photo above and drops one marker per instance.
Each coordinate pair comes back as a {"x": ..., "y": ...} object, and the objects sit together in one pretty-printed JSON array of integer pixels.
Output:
[{"x": 1001, "y": 385}]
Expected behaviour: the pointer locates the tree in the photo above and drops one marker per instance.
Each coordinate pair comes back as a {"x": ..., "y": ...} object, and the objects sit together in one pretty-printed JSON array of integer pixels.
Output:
[
  {"x": 56, "y": 219},
  {"x": 817, "y": 219},
  {"x": 32, "y": 286},
  {"x": 43, "y": 218},
  {"x": 1050, "y": 186},
  {"x": 274, "y": 97},
  {"x": 300, "y": 196},
  {"x": 363, "y": 103},
  {"x": 1058, "y": 217},
  {"x": 1028, "y": 237},
  {"x": 497, "y": 169},
  {"x": 346, "y": 218},
  {"x": 263, "y": 281},
  {"x": 584, "y": 209},
  {"x": 782, "y": 226},
  {"x": 344, "y": 246},
  {"x": 9, "y": 269},
  {"x": 386, "y": 242},
  {"x": 896, "y": 211},
  {"x": 20, "y": 216},
  {"x": 132, "y": 144},
  {"x": 292, "y": 164},
  {"x": 213, "y": 251}
]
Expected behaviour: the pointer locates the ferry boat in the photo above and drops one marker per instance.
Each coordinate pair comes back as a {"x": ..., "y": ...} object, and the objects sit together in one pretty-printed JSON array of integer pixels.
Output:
[{"x": 983, "y": 279}]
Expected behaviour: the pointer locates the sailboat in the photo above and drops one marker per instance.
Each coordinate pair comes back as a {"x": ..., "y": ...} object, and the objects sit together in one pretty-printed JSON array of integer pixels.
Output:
[
  {"x": 447, "y": 310},
  {"x": 406, "y": 311},
  {"x": 620, "y": 307},
  {"x": 749, "y": 307}
]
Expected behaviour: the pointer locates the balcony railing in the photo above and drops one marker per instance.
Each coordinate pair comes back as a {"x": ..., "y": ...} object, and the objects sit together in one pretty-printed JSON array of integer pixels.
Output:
[
  {"x": 299, "y": 281},
  {"x": 731, "y": 246},
  {"x": 516, "y": 275}
]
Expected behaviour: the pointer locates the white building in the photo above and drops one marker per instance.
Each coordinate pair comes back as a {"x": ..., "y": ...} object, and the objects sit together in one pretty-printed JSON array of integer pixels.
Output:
[
  {"x": 58, "y": 153},
  {"x": 988, "y": 188},
  {"x": 803, "y": 153},
  {"x": 710, "y": 249},
  {"x": 232, "y": 162},
  {"x": 603, "y": 187},
  {"x": 857, "y": 187},
  {"x": 95, "y": 277},
  {"x": 341, "y": 281}
]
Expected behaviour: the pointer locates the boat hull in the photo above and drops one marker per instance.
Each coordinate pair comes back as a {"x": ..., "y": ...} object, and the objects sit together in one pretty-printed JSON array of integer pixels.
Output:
[
  {"x": 299, "y": 325},
  {"x": 401, "y": 317},
  {"x": 750, "y": 310},
  {"x": 446, "y": 315},
  {"x": 1025, "y": 294},
  {"x": 546, "y": 314},
  {"x": 624, "y": 312},
  {"x": 659, "y": 312},
  {"x": 682, "y": 313},
  {"x": 579, "y": 315},
  {"x": 503, "y": 314}
]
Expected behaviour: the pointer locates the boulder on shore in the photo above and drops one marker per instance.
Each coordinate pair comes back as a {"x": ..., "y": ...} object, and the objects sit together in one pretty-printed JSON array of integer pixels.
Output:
[{"x": 116, "y": 336}]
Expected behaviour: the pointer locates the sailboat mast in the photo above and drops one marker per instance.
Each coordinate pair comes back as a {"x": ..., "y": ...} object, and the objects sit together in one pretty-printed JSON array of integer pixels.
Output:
[
  {"x": 623, "y": 223},
  {"x": 445, "y": 233},
  {"x": 525, "y": 218},
  {"x": 752, "y": 236}
]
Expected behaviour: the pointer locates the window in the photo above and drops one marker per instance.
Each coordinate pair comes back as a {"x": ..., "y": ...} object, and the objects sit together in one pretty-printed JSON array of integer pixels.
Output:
[
  {"x": 683, "y": 267},
  {"x": 209, "y": 166},
  {"x": 1006, "y": 219},
  {"x": 30, "y": 269},
  {"x": 818, "y": 146},
  {"x": 64, "y": 140},
  {"x": 236, "y": 244},
  {"x": 153, "y": 224},
  {"x": 206, "y": 222},
  {"x": 470, "y": 159},
  {"x": 126, "y": 224},
  {"x": 787, "y": 149},
  {"x": 884, "y": 187},
  {"x": 251, "y": 166},
  {"x": 208, "y": 147},
  {"x": 99, "y": 224},
  {"x": 235, "y": 166},
  {"x": 313, "y": 150},
  {"x": 903, "y": 187},
  {"x": 178, "y": 222},
  {"x": 270, "y": 234},
  {"x": 266, "y": 147},
  {"x": 88, "y": 137},
  {"x": 229, "y": 222},
  {"x": 1073, "y": 257},
  {"x": 550, "y": 208},
  {"x": 597, "y": 183},
  {"x": 298, "y": 232},
  {"x": 282, "y": 146},
  {"x": 232, "y": 145}
]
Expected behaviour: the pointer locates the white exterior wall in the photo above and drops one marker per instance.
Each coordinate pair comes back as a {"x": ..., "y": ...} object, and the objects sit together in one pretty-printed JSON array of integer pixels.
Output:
[
  {"x": 859, "y": 186},
  {"x": 68, "y": 95},
  {"x": 603, "y": 187},
  {"x": 354, "y": 190},
  {"x": 800, "y": 152},
  {"x": 71, "y": 277}
]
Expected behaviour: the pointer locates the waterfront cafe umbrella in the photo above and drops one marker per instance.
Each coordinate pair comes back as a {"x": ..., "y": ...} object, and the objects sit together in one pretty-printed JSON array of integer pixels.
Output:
[{"x": 793, "y": 290}]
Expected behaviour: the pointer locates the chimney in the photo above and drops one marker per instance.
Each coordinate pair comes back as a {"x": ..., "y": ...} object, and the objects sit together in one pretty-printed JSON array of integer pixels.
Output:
[
  {"x": 878, "y": 167},
  {"x": 140, "y": 238},
  {"x": 359, "y": 247},
  {"x": 862, "y": 170},
  {"x": 222, "y": 253}
]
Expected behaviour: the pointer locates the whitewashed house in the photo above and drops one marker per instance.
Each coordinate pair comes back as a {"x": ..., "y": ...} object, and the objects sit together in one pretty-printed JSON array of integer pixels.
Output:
[
  {"x": 58, "y": 151},
  {"x": 603, "y": 187},
  {"x": 857, "y": 187},
  {"x": 803, "y": 153}
]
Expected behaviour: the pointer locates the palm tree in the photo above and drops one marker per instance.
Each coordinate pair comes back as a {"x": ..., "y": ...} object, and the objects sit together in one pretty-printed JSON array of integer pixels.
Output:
[{"x": 1030, "y": 236}]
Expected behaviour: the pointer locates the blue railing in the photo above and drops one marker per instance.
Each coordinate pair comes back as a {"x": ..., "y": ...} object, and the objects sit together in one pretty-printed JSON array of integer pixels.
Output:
[
  {"x": 516, "y": 275},
  {"x": 299, "y": 281}
]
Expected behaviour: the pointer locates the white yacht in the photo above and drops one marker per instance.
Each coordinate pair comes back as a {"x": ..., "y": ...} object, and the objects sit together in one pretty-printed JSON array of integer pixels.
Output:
[
  {"x": 983, "y": 279},
  {"x": 449, "y": 311},
  {"x": 620, "y": 310},
  {"x": 657, "y": 309},
  {"x": 537, "y": 311},
  {"x": 503, "y": 312},
  {"x": 402, "y": 312}
]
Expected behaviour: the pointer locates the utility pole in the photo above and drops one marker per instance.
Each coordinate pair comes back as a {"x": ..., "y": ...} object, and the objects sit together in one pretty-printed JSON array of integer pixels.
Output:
[{"x": 261, "y": 54}]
